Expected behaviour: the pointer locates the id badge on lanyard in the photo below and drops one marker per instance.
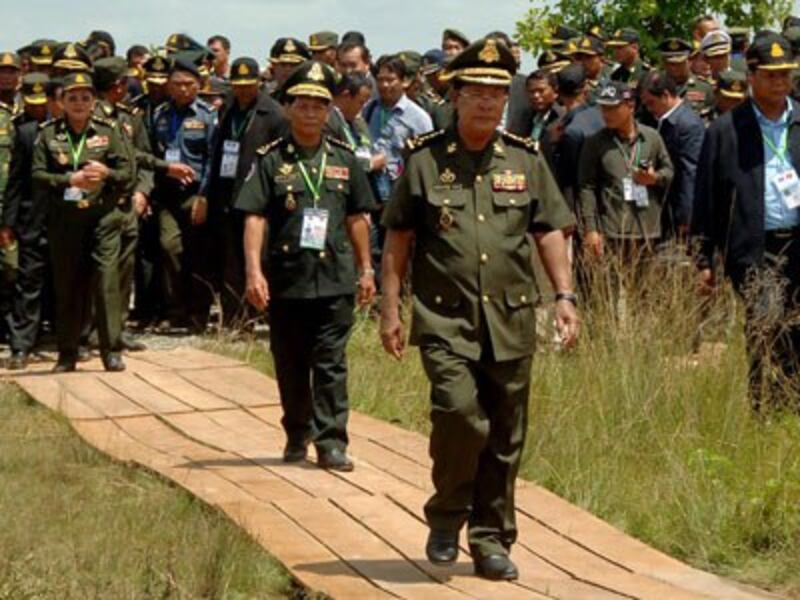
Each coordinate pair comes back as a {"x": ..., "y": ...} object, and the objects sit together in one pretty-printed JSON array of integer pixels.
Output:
[
  {"x": 314, "y": 230},
  {"x": 230, "y": 159}
]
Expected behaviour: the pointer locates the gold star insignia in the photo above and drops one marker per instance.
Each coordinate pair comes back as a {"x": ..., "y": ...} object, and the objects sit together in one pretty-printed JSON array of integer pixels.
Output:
[{"x": 45, "y": 50}]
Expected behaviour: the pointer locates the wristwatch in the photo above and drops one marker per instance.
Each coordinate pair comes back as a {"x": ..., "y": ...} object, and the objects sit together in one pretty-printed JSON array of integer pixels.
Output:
[{"x": 568, "y": 296}]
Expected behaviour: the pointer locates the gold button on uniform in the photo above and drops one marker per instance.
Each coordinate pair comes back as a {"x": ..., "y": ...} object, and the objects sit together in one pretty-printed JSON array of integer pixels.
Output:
[
  {"x": 438, "y": 299},
  {"x": 285, "y": 247},
  {"x": 478, "y": 178},
  {"x": 446, "y": 201},
  {"x": 485, "y": 299},
  {"x": 481, "y": 218},
  {"x": 512, "y": 201},
  {"x": 322, "y": 254},
  {"x": 484, "y": 258}
]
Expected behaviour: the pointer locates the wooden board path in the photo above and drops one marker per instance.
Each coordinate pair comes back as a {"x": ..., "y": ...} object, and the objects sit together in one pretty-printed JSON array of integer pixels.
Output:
[{"x": 212, "y": 425}]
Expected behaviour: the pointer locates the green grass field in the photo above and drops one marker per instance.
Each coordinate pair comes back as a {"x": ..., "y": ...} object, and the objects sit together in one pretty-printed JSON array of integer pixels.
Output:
[
  {"x": 639, "y": 431},
  {"x": 75, "y": 525}
]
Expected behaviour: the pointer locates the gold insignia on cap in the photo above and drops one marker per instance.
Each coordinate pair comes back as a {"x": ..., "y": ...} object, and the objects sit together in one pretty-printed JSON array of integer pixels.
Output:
[
  {"x": 158, "y": 64},
  {"x": 586, "y": 43},
  {"x": 289, "y": 46},
  {"x": 490, "y": 54},
  {"x": 37, "y": 88},
  {"x": 244, "y": 70},
  {"x": 80, "y": 78},
  {"x": 45, "y": 50},
  {"x": 7, "y": 59},
  {"x": 776, "y": 51},
  {"x": 173, "y": 39},
  {"x": 447, "y": 177},
  {"x": 736, "y": 86},
  {"x": 70, "y": 51},
  {"x": 618, "y": 33},
  {"x": 313, "y": 40},
  {"x": 451, "y": 148},
  {"x": 316, "y": 74},
  {"x": 595, "y": 30},
  {"x": 674, "y": 45}
]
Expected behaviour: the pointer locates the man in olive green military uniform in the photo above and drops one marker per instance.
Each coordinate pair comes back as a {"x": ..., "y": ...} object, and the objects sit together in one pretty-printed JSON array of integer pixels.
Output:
[
  {"x": 284, "y": 56},
  {"x": 731, "y": 92},
  {"x": 82, "y": 164},
  {"x": 625, "y": 43},
  {"x": 314, "y": 196},
  {"x": 467, "y": 200},
  {"x": 589, "y": 52},
  {"x": 323, "y": 45},
  {"x": 10, "y": 74},
  {"x": 697, "y": 93},
  {"x": 8, "y": 246}
]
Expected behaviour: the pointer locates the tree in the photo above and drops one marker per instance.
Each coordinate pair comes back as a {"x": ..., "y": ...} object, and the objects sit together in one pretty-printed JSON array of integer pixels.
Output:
[{"x": 654, "y": 19}]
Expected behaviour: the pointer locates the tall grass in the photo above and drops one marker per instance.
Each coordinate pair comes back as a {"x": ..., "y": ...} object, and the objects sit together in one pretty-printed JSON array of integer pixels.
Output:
[{"x": 636, "y": 426}]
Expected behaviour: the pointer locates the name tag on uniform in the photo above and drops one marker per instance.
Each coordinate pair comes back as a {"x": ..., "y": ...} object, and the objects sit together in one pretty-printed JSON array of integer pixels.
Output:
[
  {"x": 788, "y": 185},
  {"x": 172, "y": 155},
  {"x": 230, "y": 159},
  {"x": 73, "y": 194},
  {"x": 315, "y": 229},
  {"x": 633, "y": 192}
]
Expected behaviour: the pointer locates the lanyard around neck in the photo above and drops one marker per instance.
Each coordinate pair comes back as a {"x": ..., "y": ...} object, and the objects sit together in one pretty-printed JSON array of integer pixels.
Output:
[
  {"x": 314, "y": 189},
  {"x": 76, "y": 152}
]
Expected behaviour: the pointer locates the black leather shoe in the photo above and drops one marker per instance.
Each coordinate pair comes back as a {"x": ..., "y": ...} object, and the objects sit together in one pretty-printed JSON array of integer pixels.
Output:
[
  {"x": 113, "y": 362},
  {"x": 130, "y": 344},
  {"x": 294, "y": 453},
  {"x": 497, "y": 567},
  {"x": 84, "y": 354},
  {"x": 334, "y": 460},
  {"x": 442, "y": 547},
  {"x": 18, "y": 361},
  {"x": 64, "y": 365}
]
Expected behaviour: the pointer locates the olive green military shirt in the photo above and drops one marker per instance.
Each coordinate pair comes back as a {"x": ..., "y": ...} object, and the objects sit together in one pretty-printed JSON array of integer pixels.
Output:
[
  {"x": 7, "y": 137},
  {"x": 472, "y": 278},
  {"x": 54, "y": 163},
  {"x": 605, "y": 162},
  {"x": 699, "y": 94},
  {"x": 633, "y": 75},
  {"x": 131, "y": 124},
  {"x": 275, "y": 189}
]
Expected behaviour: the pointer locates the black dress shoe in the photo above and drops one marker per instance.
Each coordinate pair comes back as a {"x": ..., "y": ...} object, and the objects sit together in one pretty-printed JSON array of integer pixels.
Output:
[
  {"x": 294, "y": 453},
  {"x": 64, "y": 365},
  {"x": 442, "y": 547},
  {"x": 84, "y": 354},
  {"x": 113, "y": 362},
  {"x": 130, "y": 344},
  {"x": 497, "y": 567},
  {"x": 334, "y": 460},
  {"x": 17, "y": 361}
]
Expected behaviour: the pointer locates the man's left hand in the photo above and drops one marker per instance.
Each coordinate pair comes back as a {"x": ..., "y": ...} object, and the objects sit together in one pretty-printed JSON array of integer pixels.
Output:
[
  {"x": 567, "y": 322},
  {"x": 366, "y": 288},
  {"x": 646, "y": 177}
]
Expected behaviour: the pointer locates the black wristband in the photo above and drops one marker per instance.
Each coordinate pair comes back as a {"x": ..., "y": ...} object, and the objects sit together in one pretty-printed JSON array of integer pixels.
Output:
[{"x": 569, "y": 297}]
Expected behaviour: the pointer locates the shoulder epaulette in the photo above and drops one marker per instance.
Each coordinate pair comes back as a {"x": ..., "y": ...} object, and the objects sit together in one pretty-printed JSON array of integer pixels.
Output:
[
  {"x": 44, "y": 124},
  {"x": 6, "y": 107},
  {"x": 126, "y": 108},
  {"x": 424, "y": 140},
  {"x": 269, "y": 147},
  {"x": 340, "y": 143},
  {"x": 104, "y": 121},
  {"x": 520, "y": 142}
]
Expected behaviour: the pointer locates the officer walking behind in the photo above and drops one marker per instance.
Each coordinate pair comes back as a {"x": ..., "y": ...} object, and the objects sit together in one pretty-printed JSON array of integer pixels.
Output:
[
  {"x": 747, "y": 206},
  {"x": 314, "y": 196},
  {"x": 466, "y": 202},
  {"x": 81, "y": 162}
]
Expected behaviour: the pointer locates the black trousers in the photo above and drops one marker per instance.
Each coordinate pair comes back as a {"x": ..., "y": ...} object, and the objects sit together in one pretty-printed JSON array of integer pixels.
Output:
[
  {"x": 25, "y": 318},
  {"x": 308, "y": 338}
]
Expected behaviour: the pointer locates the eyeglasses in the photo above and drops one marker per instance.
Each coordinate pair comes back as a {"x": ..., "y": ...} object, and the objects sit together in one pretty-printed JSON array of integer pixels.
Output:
[{"x": 486, "y": 95}]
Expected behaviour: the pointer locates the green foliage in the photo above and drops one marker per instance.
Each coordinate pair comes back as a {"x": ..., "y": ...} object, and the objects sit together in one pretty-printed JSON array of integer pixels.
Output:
[{"x": 655, "y": 19}]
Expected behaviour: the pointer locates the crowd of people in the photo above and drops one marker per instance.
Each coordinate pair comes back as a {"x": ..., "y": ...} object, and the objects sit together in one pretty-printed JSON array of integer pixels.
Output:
[{"x": 136, "y": 189}]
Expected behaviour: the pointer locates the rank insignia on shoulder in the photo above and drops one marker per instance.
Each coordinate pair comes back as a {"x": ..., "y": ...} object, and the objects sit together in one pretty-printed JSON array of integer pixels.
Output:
[
  {"x": 447, "y": 177},
  {"x": 267, "y": 148},
  {"x": 421, "y": 141},
  {"x": 509, "y": 182}
]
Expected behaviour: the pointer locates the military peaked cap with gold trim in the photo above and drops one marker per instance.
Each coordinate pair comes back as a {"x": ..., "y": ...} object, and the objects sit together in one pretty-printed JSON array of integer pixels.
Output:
[{"x": 484, "y": 62}]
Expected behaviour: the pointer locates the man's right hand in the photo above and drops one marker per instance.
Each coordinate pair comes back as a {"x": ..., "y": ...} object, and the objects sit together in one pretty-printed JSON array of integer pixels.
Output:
[
  {"x": 83, "y": 180},
  {"x": 377, "y": 162},
  {"x": 593, "y": 244},
  {"x": 706, "y": 282},
  {"x": 393, "y": 335},
  {"x": 6, "y": 236},
  {"x": 257, "y": 291},
  {"x": 183, "y": 173}
]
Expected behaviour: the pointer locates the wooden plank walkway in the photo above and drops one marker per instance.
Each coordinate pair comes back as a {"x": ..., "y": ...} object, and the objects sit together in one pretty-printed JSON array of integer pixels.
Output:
[{"x": 212, "y": 425}]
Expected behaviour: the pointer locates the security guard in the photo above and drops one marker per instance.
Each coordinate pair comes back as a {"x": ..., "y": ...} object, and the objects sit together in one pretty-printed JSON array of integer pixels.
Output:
[
  {"x": 311, "y": 192},
  {"x": 467, "y": 200},
  {"x": 183, "y": 133},
  {"x": 82, "y": 163},
  {"x": 675, "y": 56}
]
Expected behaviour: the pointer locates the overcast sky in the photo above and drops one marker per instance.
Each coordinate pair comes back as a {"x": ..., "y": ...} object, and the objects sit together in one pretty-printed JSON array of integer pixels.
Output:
[{"x": 252, "y": 25}]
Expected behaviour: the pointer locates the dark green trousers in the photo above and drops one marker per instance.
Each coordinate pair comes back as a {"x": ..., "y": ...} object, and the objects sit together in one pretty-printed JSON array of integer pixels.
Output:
[
  {"x": 308, "y": 338},
  {"x": 479, "y": 413},
  {"x": 129, "y": 237},
  {"x": 84, "y": 249}
]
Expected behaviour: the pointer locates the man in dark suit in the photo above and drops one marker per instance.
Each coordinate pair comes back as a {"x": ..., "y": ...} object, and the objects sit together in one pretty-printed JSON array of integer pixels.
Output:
[
  {"x": 682, "y": 131},
  {"x": 747, "y": 206}
]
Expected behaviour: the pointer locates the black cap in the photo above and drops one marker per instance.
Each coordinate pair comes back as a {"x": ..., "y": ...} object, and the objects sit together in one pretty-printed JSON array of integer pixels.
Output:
[
  {"x": 432, "y": 61},
  {"x": 485, "y": 62},
  {"x": 10, "y": 60},
  {"x": 289, "y": 51},
  {"x": 244, "y": 71},
  {"x": 791, "y": 21},
  {"x": 732, "y": 84},
  {"x": 312, "y": 78},
  {"x": 72, "y": 57},
  {"x": 102, "y": 38},
  {"x": 772, "y": 53},
  {"x": 354, "y": 37},
  {"x": 108, "y": 71},
  {"x": 675, "y": 50},
  {"x": 182, "y": 63},
  {"x": 455, "y": 34},
  {"x": 792, "y": 35},
  {"x": 591, "y": 46},
  {"x": 41, "y": 51},
  {"x": 34, "y": 88},
  {"x": 571, "y": 79},
  {"x": 559, "y": 35},
  {"x": 156, "y": 69},
  {"x": 623, "y": 37},
  {"x": 77, "y": 80},
  {"x": 614, "y": 93},
  {"x": 180, "y": 42},
  {"x": 552, "y": 62}
]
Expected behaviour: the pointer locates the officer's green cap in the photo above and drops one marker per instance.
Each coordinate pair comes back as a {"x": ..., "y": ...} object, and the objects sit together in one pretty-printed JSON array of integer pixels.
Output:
[
  {"x": 558, "y": 36},
  {"x": 596, "y": 31},
  {"x": 412, "y": 60},
  {"x": 791, "y": 21},
  {"x": 322, "y": 40},
  {"x": 41, "y": 51},
  {"x": 156, "y": 69},
  {"x": 244, "y": 71},
  {"x": 180, "y": 42},
  {"x": 290, "y": 51},
  {"x": 77, "y": 80},
  {"x": 675, "y": 50},
  {"x": 623, "y": 37},
  {"x": 455, "y": 34},
  {"x": 591, "y": 46},
  {"x": 10, "y": 60},
  {"x": 551, "y": 62},
  {"x": 485, "y": 62},
  {"x": 34, "y": 88},
  {"x": 311, "y": 78},
  {"x": 732, "y": 84},
  {"x": 72, "y": 57},
  {"x": 771, "y": 53},
  {"x": 213, "y": 87},
  {"x": 101, "y": 38},
  {"x": 108, "y": 71}
]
